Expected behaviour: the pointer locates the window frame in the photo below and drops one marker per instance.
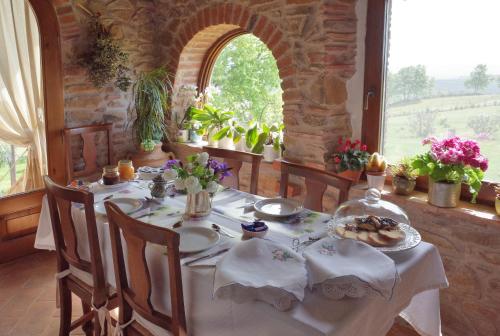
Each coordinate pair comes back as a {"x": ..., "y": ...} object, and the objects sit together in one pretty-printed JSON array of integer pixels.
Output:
[
  {"x": 377, "y": 34},
  {"x": 212, "y": 54}
]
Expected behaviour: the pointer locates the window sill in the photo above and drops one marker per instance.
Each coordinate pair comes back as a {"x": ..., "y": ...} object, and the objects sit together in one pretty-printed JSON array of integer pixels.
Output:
[{"x": 477, "y": 213}]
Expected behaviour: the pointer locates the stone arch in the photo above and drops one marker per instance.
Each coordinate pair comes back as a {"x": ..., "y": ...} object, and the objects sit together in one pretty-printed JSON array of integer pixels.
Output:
[{"x": 205, "y": 28}]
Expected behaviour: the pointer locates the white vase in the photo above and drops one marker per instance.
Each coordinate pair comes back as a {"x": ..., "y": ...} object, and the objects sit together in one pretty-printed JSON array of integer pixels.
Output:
[
  {"x": 226, "y": 143},
  {"x": 211, "y": 141},
  {"x": 270, "y": 154},
  {"x": 376, "y": 181},
  {"x": 242, "y": 145},
  {"x": 182, "y": 135}
]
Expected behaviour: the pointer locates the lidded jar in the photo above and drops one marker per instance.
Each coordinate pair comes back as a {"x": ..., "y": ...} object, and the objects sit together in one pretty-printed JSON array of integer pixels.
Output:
[
  {"x": 126, "y": 170},
  {"x": 371, "y": 204},
  {"x": 110, "y": 175}
]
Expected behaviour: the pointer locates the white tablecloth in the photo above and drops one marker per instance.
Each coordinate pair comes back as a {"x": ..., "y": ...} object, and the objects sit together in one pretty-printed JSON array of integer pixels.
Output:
[{"x": 416, "y": 297}]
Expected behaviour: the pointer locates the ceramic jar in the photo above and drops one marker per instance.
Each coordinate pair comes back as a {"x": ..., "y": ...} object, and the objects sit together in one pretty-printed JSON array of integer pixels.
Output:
[
  {"x": 226, "y": 143},
  {"x": 376, "y": 180},
  {"x": 211, "y": 141},
  {"x": 444, "y": 195},
  {"x": 403, "y": 186},
  {"x": 270, "y": 154}
]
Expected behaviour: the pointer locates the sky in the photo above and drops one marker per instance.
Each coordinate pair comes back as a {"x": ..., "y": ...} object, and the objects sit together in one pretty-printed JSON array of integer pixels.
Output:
[{"x": 449, "y": 37}]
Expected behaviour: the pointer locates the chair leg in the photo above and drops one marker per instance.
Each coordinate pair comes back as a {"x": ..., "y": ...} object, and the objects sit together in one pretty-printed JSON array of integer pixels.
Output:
[
  {"x": 65, "y": 303},
  {"x": 88, "y": 326}
]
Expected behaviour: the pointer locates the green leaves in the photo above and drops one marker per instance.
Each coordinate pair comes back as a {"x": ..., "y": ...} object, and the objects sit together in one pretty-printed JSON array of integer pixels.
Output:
[
  {"x": 440, "y": 172},
  {"x": 150, "y": 94}
]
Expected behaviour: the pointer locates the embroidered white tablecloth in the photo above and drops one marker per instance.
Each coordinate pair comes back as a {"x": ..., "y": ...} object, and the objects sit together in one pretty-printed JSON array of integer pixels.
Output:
[{"x": 415, "y": 297}]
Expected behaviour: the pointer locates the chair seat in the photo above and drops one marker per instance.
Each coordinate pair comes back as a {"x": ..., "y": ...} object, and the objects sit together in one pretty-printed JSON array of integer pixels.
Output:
[
  {"x": 86, "y": 278},
  {"x": 144, "y": 323}
]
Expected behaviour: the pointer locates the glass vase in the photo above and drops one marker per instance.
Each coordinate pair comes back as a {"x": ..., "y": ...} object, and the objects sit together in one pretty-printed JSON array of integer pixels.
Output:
[{"x": 198, "y": 205}]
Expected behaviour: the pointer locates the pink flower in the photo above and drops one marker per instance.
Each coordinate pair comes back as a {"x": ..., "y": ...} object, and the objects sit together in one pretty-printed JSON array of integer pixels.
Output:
[
  {"x": 364, "y": 148},
  {"x": 336, "y": 159}
]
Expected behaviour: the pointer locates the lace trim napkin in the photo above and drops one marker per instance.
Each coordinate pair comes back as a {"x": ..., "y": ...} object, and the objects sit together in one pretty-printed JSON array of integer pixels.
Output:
[
  {"x": 346, "y": 267},
  {"x": 263, "y": 270}
]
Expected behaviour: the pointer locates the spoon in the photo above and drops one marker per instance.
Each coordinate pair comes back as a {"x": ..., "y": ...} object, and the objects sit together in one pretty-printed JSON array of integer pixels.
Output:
[{"x": 220, "y": 230}]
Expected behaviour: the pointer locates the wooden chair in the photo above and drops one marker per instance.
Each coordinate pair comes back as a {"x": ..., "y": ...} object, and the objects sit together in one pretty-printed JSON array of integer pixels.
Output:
[
  {"x": 134, "y": 290},
  {"x": 88, "y": 135},
  {"x": 316, "y": 181},
  {"x": 84, "y": 278},
  {"x": 234, "y": 160}
]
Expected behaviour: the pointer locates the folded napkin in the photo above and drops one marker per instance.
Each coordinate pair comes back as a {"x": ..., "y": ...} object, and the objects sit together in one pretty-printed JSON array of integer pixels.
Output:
[
  {"x": 259, "y": 269},
  {"x": 347, "y": 267}
]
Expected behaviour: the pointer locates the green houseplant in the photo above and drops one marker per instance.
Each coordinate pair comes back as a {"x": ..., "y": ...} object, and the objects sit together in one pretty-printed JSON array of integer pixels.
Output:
[
  {"x": 350, "y": 158},
  {"x": 212, "y": 120},
  {"x": 266, "y": 140},
  {"x": 448, "y": 163},
  {"x": 150, "y": 94},
  {"x": 404, "y": 176},
  {"x": 230, "y": 134}
]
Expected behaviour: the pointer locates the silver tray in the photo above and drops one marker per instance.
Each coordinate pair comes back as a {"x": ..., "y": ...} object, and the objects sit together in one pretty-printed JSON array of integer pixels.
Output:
[{"x": 412, "y": 238}]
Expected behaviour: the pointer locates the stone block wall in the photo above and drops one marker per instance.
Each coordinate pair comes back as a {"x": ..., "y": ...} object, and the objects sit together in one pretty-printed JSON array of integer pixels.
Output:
[
  {"x": 314, "y": 43},
  {"x": 131, "y": 22}
]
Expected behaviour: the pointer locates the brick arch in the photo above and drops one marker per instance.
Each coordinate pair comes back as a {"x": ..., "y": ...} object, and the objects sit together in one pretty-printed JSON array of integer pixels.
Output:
[{"x": 198, "y": 34}]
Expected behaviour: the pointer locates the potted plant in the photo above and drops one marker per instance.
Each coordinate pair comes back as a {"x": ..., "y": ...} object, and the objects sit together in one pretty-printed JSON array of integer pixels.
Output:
[
  {"x": 404, "y": 177},
  {"x": 196, "y": 131},
  {"x": 448, "y": 163},
  {"x": 375, "y": 171},
  {"x": 150, "y": 95},
  {"x": 265, "y": 140},
  {"x": 350, "y": 159},
  {"x": 200, "y": 177},
  {"x": 497, "y": 199},
  {"x": 229, "y": 135},
  {"x": 212, "y": 120}
]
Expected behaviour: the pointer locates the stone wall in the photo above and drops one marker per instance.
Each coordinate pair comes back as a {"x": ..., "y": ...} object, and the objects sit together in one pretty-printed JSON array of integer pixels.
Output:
[
  {"x": 313, "y": 41},
  {"x": 131, "y": 22}
]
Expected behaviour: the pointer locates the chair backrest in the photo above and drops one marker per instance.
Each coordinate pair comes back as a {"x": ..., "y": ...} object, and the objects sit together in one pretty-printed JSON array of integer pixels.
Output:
[
  {"x": 234, "y": 160},
  {"x": 134, "y": 290},
  {"x": 87, "y": 134},
  {"x": 65, "y": 234},
  {"x": 316, "y": 181}
]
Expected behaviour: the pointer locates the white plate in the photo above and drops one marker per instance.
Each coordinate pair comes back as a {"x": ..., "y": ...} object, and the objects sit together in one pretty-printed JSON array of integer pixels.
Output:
[
  {"x": 278, "y": 207},
  {"x": 111, "y": 187},
  {"x": 196, "y": 238},
  {"x": 127, "y": 205},
  {"x": 412, "y": 238}
]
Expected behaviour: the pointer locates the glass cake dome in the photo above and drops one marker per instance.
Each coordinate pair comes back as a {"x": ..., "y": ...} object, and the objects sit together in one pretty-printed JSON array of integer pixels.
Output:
[{"x": 370, "y": 205}]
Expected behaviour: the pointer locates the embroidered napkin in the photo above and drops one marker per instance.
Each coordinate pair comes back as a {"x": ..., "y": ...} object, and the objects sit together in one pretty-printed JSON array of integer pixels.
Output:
[
  {"x": 347, "y": 267},
  {"x": 259, "y": 269}
]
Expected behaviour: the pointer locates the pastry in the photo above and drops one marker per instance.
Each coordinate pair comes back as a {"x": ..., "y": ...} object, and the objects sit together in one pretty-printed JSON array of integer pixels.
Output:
[{"x": 393, "y": 235}]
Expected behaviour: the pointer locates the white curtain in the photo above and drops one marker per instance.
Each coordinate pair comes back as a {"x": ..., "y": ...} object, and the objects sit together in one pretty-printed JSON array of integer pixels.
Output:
[{"x": 21, "y": 93}]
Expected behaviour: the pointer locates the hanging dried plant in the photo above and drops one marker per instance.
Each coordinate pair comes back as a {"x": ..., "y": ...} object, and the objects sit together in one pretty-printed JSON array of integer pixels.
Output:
[{"x": 104, "y": 58}]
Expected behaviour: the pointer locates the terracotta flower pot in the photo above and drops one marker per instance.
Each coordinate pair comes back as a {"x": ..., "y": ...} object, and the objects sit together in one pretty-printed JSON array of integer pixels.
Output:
[{"x": 352, "y": 175}]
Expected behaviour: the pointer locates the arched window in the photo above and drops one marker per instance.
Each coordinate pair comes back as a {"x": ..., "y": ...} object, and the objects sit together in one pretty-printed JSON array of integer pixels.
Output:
[{"x": 245, "y": 80}]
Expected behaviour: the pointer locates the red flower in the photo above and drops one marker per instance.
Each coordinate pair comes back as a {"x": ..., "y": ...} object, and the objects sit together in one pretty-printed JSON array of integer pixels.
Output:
[
  {"x": 348, "y": 143},
  {"x": 364, "y": 147},
  {"x": 336, "y": 159},
  {"x": 340, "y": 141}
]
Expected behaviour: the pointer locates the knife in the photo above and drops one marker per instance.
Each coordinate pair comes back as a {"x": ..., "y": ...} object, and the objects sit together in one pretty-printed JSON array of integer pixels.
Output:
[{"x": 211, "y": 255}]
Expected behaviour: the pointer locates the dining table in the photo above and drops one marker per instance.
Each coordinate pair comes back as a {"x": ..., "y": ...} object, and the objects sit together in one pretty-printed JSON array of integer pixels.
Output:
[{"x": 415, "y": 297}]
